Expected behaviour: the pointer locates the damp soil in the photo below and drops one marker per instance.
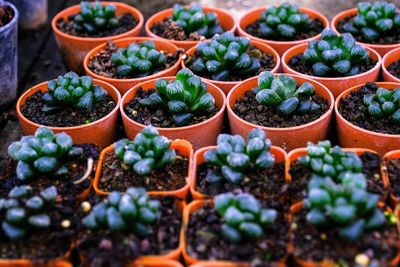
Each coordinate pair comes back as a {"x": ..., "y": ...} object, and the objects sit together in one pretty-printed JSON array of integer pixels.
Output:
[
  {"x": 65, "y": 117},
  {"x": 6, "y": 15},
  {"x": 393, "y": 169},
  {"x": 157, "y": 116},
  {"x": 394, "y": 69},
  {"x": 354, "y": 111}
]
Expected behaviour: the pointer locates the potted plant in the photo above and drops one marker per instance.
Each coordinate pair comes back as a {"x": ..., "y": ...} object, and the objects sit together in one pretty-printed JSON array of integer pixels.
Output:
[
  {"x": 290, "y": 109},
  {"x": 253, "y": 167},
  {"x": 391, "y": 171},
  {"x": 234, "y": 228},
  {"x": 80, "y": 28},
  {"x": 283, "y": 26},
  {"x": 156, "y": 263},
  {"x": 375, "y": 25},
  {"x": 368, "y": 116},
  {"x": 185, "y": 26},
  {"x": 33, "y": 13},
  {"x": 180, "y": 107},
  {"x": 117, "y": 62},
  {"x": 221, "y": 62},
  {"x": 391, "y": 66},
  {"x": 84, "y": 108},
  {"x": 336, "y": 61}
]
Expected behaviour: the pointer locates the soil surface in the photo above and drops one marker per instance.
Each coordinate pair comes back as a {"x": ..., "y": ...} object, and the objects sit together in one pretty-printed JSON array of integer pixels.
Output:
[
  {"x": 68, "y": 116},
  {"x": 394, "y": 69},
  {"x": 6, "y": 15},
  {"x": 393, "y": 167},
  {"x": 353, "y": 110},
  {"x": 168, "y": 29}
]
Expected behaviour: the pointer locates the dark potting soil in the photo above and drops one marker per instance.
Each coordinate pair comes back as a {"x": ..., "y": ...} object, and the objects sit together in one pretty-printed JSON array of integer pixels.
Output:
[
  {"x": 394, "y": 69},
  {"x": 117, "y": 177},
  {"x": 250, "y": 110},
  {"x": 156, "y": 116},
  {"x": 126, "y": 23},
  {"x": 205, "y": 241},
  {"x": 316, "y": 28},
  {"x": 299, "y": 64},
  {"x": 267, "y": 63},
  {"x": 6, "y": 15},
  {"x": 66, "y": 117},
  {"x": 170, "y": 30},
  {"x": 393, "y": 168},
  {"x": 101, "y": 63},
  {"x": 353, "y": 110}
]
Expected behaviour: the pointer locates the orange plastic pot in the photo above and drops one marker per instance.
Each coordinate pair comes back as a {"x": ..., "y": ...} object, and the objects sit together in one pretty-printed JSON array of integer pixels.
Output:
[
  {"x": 195, "y": 134},
  {"x": 30, "y": 263},
  {"x": 279, "y": 154},
  {"x": 73, "y": 49},
  {"x": 279, "y": 46},
  {"x": 101, "y": 132},
  {"x": 155, "y": 263},
  {"x": 226, "y": 86},
  {"x": 381, "y": 49},
  {"x": 124, "y": 84},
  {"x": 387, "y": 60},
  {"x": 183, "y": 147},
  {"x": 226, "y": 20},
  {"x": 339, "y": 84},
  {"x": 350, "y": 135},
  {"x": 288, "y": 138},
  {"x": 390, "y": 156}
]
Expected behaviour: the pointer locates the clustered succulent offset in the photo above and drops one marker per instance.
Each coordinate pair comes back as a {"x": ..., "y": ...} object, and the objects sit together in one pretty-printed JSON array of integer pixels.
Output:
[
  {"x": 138, "y": 59},
  {"x": 282, "y": 93},
  {"x": 183, "y": 97},
  {"x": 374, "y": 21},
  {"x": 146, "y": 152},
  {"x": 335, "y": 55},
  {"x": 194, "y": 19},
  {"x": 384, "y": 104},
  {"x": 132, "y": 211},
  {"x": 225, "y": 55},
  {"x": 234, "y": 157},
  {"x": 42, "y": 153}
]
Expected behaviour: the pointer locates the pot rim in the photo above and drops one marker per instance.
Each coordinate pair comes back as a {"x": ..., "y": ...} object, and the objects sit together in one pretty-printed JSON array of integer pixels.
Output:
[
  {"x": 385, "y": 59},
  {"x": 14, "y": 19}
]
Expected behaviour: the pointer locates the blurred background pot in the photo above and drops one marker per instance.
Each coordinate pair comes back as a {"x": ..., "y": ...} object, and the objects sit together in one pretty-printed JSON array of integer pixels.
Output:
[{"x": 33, "y": 13}]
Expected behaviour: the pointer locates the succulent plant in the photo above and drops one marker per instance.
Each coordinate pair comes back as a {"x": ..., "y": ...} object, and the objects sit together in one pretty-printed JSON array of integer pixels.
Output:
[
  {"x": 94, "y": 17},
  {"x": 335, "y": 55},
  {"x": 23, "y": 210},
  {"x": 374, "y": 21},
  {"x": 138, "y": 59},
  {"x": 282, "y": 93},
  {"x": 243, "y": 216},
  {"x": 183, "y": 97},
  {"x": 71, "y": 90},
  {"x": 194, "y": 19},
  {"x": 225, "y": 55},
  {"x": 283, "y": 21},
  {"x": 132, "y": 211},
  {"x": 234, "y": 157},
  {"x": 146, "y": 152},
  {"x": 42, "y": 153},
  {"x": 384, "y": 104}
]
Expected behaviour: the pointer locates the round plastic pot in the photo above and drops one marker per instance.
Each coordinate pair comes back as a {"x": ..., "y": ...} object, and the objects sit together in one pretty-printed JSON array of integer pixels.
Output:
[
  {"x": 350, "y": 135},
  {"x": 33, "y": 13},
  {"x": 387, "y": 60},
  {"x": 290, "y": 137},
  {"x": 279, "y": 154},
  {"x": 195, "y": 134},
  {"x": 381, "y": 49},
  {"x": 226, "y": 20},
  {"x": 339, "y": 84},
  {"x": 8, "y": 60},
  {"x": 279, "y": 46},
  {"x": 73, "y": 49},
  {"x": 183, "y": 147},
  {"x": 124, "y": 84},
  {"x": 155, "y": 263},
  {"x": 226, "y": 86},
  {"x": 101, "y": 132},
  {"x": 390, "y": 156}
]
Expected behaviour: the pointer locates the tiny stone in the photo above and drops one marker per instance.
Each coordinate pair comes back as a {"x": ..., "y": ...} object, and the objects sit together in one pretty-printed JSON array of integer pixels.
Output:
[
  {"x": 362, "y": 259},
  {"x": 323, "y": 236},
  {"x": 184, "y": 56},
  {"x": 66, "y": 224},
  {"x": 86, "y": 207},
  {"x": 307, "y": 237},
  {"x": 293, "y": 226}
]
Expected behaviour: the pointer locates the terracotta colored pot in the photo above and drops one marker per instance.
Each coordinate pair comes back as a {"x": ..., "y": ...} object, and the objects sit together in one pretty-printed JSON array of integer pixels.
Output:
[
  {"x": 226, "y": 20},
  {"x": 390, "y": 156},
  {"x": 339, "y": 84},
  {"x": 194, "y": 133},
  {"x": 73, "y": 49},
  {"x": 101, "y": 132},
  {"x": 124, "y": 84},
  {"x": 155, "y": 263},
  {"x": 279, "y": 153},
  {"x": 381, "y": 49},
  {"x": 350, "y": 135},
  {"x": 183, "y": 147},
  {"x": 29, "y": 263},
  {"x": 290, "y": 137},
  {"x": 387, "y": 60},
  {"x": 279, "y": 46},
  {"x": 226, "y": 86}
]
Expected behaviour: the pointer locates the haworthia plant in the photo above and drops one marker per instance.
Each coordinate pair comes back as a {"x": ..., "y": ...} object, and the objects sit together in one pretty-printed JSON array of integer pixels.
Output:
[{"x": 384, "y": 104}]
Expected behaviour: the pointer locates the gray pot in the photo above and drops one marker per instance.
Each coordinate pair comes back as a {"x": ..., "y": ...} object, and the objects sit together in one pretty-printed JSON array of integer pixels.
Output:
[{"x": 32, "y": 13}]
